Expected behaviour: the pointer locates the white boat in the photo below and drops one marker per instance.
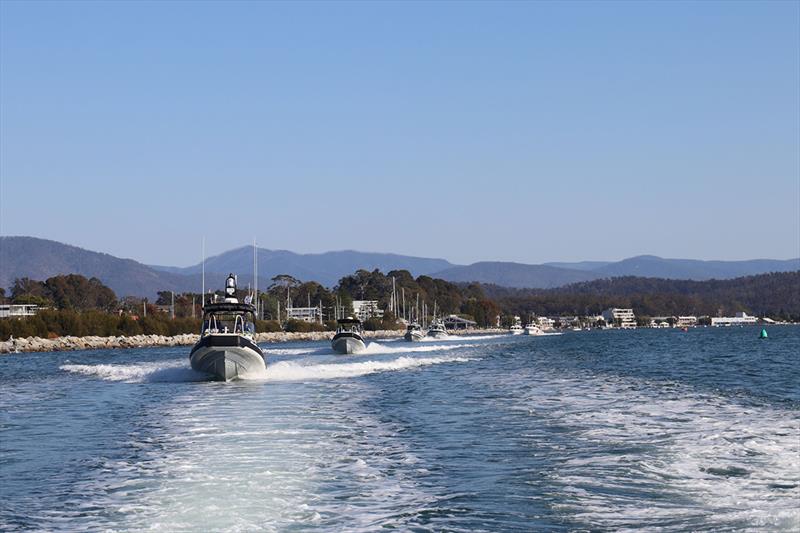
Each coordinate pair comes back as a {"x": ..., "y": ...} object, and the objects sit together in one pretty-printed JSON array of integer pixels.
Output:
[
  {"x": 437, "y": 329},
  {"x": 516, "y": 329},
  {"x": 348, "y": 339},
  {"x": 533, "y": 329},
  {"x": 227, "y": 349},
  {"x": 414, "y": 333}
]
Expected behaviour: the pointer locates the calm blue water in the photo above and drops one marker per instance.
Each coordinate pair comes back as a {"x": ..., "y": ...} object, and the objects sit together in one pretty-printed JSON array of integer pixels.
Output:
[{"x": 589, "y": 430}]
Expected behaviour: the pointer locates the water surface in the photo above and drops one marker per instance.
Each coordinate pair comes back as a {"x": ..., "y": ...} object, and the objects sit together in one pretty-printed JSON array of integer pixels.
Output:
[{"x": 588, "y": 430}]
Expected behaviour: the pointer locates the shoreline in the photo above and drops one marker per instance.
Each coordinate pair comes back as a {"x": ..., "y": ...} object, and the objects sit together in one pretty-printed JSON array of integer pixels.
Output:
[{"x": 71, "y": 344}]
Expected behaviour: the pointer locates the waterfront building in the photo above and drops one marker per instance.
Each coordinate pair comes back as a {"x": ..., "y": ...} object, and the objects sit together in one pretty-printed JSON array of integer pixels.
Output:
[
  {"x": 660, "y": 321},
  {"x": 18, "y": 310},
  {"x": 365, "y": 309},
  {"x": 741, "y": 319},
  {"x": 624, "y": 318},
  {"x": 457, "y": 322},
  {"x": 567, "y": 321},
  {"x": 686, "y": 321},
  {"x": 306, "y": 314},
  {"x": 545, "y": 323}
]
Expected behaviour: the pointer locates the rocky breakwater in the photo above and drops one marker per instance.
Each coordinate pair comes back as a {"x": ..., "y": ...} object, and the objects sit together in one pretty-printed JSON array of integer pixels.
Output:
[
  {"x": 68, "y": 343},
  {"x": 62, "y": 344}
]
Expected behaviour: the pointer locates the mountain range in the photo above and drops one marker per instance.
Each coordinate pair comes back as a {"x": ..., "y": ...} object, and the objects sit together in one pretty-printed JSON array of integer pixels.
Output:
[{"x": 40, "y": 258}]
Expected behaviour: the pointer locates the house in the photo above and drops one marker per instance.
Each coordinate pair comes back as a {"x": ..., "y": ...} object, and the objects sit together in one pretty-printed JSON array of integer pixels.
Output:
[
  {"x": 18, "y": 310},
  {"x": 305, "y": 314},
  {"x": 365, "y": 309},
  {"x": 623, "y": 318},
  {"x": 741, "y": 319}
]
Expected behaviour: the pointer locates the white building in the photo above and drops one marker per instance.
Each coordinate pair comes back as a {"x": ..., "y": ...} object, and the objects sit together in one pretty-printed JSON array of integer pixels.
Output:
[
  {"x": 365, "y": 309},
  {"x": 306, "y": 314},
  {"x": 624, "y": 317},
  {"x": 545, "y": 323},
  {"x": 567, "y": 321},
  {"x": 741, "y": 319},
  {"x": 18, "y": 310},
  {"x": 686, "y": 322}
]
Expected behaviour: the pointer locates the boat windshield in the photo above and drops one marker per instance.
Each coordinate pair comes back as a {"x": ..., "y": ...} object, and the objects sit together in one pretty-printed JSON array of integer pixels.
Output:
[{"x": 228, "y": 322}]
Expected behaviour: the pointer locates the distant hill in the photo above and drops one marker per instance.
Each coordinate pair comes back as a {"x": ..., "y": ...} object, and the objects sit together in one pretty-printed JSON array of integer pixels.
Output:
[
  {"x": 326, "y": 268},
  {"x": 581, "y": 265},
  {"x": 776, "y": 294},
  {"x": 651, "y": 266},
  {"x": 515, "y": 275},
  {"x": 551, "y": 275},
  {"x": 40, "y": 259}
]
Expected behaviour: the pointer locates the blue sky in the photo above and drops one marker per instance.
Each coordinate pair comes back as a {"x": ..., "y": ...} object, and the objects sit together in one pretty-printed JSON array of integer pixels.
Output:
[{"x": 473, "y": 131}]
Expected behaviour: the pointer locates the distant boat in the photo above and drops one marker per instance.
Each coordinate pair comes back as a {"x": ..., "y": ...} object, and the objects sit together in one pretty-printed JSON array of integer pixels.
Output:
[
  {"x": 227, "y": 349},
  {"x": 533, "y": 329},
  {"x": 437, "y": 329},
  {"x": 414, "y": 333},
  {"x": 516, "y": 328},
  {"x": 348, "y": 339}
]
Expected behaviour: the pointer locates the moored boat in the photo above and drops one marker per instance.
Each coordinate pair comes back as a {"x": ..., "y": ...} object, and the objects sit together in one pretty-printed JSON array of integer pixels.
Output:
[
  {"x": 348, "y": 339},
  {"x": 227, "y": 349},
  {"x": 532, "y": 329},
  {"x": 516, "y": 328}
]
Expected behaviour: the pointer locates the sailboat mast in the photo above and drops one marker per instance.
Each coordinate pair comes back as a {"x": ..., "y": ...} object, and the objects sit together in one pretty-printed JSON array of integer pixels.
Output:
[
  {"x": 255, "y": 273},
  {"x": 203, "y": 262}
]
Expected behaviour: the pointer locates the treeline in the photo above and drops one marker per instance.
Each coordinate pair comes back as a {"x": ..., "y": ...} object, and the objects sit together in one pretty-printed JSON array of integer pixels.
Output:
[
  {"x": 71, "y": 291},
  {"x": 60, "y": 322},
  {"x": 776, "y": 295},
  {"x": 79, "y": 306}
]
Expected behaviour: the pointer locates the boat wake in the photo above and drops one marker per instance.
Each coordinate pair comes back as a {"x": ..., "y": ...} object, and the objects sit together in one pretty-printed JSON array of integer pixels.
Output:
[
  {"x": 373, "y": 348},
  {"x": 707, "y": 458},
  {"x": 172, "y": 372},
  {"x": 291, "y": 371},
  {"x": 178, "y": 371}
]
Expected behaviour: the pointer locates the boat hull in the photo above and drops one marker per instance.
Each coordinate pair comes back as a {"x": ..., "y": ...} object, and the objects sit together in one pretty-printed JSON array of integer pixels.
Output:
[
  {"x": 516, "y": 331},
  {"x": 414, "y": 336},
  {"x": 437, "y": 334},
  {"x": 227, "y": 357},
  {"x": 348, "y": 344}
]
